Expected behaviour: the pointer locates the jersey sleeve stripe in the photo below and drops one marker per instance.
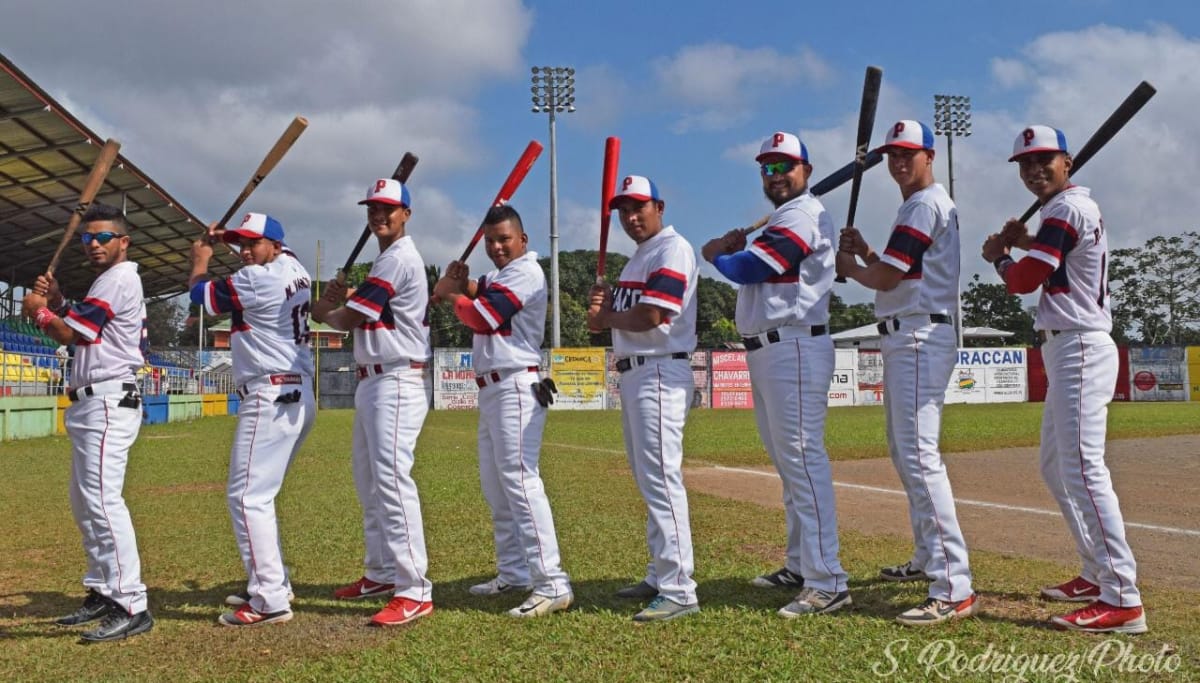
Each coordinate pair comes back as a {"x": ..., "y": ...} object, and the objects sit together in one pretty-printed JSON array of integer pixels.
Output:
[
  {"x": 371, "y": 298},
  {"x": 90, "y": 315},
  {"x": 222, "y": 297},
  {"x": 666, "y": 285}
]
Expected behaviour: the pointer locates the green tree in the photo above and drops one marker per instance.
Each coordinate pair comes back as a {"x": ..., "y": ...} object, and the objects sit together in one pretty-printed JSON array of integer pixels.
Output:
[
  {"x": 1156, "y": 291},
  {"x": 843, "y": 316},
  {"x": 988, "y": 304},
  {"x": 716, "y": 302},
  {"x": 445, "y": 329}
]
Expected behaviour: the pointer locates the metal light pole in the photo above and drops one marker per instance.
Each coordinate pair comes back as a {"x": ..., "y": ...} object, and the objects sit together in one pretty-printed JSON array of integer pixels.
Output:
[
  {"x": 553, "y": 92},
  {"x": 951, "y": 117}
]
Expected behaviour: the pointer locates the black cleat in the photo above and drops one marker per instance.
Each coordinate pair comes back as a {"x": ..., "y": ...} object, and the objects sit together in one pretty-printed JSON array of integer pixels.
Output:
[
  {"x": 94, "y": 606},
  {"x": 118, "y": 625}
]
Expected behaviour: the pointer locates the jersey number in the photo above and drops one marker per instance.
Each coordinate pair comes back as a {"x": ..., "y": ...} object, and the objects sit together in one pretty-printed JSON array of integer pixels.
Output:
[{"x": 300, "y": 323}]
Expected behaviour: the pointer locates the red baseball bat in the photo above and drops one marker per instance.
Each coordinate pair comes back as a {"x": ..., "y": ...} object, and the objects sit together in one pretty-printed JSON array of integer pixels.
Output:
[
  {"x": 508, "y": 189},
  {"x": 608, "y": 186}
]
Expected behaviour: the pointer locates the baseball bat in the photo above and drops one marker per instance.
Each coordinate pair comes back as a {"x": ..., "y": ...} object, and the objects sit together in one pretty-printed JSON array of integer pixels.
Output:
[
  {"x": 827, "y": 184},
  {"x": 866, "y": 122},
  {"x": 1107, "y": 130},
  {"x": 91, "y": 187},
  {"x": 608, "y": 186},
  {"x": 282, "y": 145},
  {"x": 407, "y": 163},
  {"x": 518, "y": 173}
]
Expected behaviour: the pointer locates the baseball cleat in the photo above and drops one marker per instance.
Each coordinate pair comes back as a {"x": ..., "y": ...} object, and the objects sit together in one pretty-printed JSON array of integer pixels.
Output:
[
  {"x": 541, "y": 605},
  {"x": 784, "y": 578},
  {"x": 243, "y": 597},
  {"x": 665, "y": 609},
  {"x": 1101, "y": 617},
  {"x": 497, "y": 587},
  {"x": 638, "y": 591},
  {"x": 117, "y": 625},
  {"x": 813, "y": 601},
  {"x": 248, "y": 616},
  {"x": 363, "y": 588},
  {"x": 94, "y": 606},
  {"x": 904, "y": 572},
  {"x": 1077, "y": 589},
  {"x": 934, "y": 611},
  {"x": 401, "y": 611}
]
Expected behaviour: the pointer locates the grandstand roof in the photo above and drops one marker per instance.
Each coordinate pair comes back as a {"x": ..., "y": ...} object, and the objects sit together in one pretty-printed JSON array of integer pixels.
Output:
[{"x": 45, "y": 157}]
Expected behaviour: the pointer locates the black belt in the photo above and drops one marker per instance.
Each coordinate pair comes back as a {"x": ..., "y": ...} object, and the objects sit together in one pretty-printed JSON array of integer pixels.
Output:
[
  {"x": 627, "y": 364},
  {"x": 894, "y": 323},
  {"x": 494, "y": 376},
  {"x": 365, "y": 371},
  {"x": 76, "y": 394},
  {"x": 754, "y": 343}
]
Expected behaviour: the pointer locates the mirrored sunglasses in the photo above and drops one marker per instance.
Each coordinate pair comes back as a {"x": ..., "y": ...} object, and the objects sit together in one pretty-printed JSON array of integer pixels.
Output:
[
  {"x": 778, "y": 168},
  {"x": 101, "y": 237}
]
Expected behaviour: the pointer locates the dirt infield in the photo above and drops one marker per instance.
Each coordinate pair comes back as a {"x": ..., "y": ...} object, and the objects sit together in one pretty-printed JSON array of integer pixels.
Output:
[{"x": 1004, "y": 507}]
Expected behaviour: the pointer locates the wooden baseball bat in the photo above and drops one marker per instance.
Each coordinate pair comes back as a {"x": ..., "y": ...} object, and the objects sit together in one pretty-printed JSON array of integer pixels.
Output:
[
  {"x": 508, "y": 189},
  {"x": 1107, "y": 130},
  {"x": 268, "y": 164},
  {"x": 91, "y": 187},
  {"x": 866, "y": 122},
  {"x": 608, "y": 186},
  {"x": 827, "y": 184},
  {"x": 407, "y": 163}
]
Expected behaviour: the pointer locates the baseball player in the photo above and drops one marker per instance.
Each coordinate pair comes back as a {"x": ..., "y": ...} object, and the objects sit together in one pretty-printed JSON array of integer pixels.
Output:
[
  {"x": 108, "y": 329},
  {"x": 391, "y": 347},
  {"x": 785, "y": 279},
  {"x": 272, "y": 368},
  {"x": 1068, "y": 260},
  {"x": 916, "y": 279},
  {"x": 506, "y": 309},
  {"x": 652, "y": 314}
]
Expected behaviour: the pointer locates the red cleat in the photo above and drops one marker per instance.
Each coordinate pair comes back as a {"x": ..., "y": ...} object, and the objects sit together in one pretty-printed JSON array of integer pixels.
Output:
[
  {"x": 1077, "y": 589},
  {"x": 363, "y": 588},
  {"x": 401, "y": 611},
  {"x": 1101, "y": 617}
]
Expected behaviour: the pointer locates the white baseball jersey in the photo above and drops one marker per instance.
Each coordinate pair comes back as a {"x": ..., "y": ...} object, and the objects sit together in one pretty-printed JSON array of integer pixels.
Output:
[
  {"x": 269, "y": 310},
  {"x": 513, "y": 302},
  {"x": 798, "y": 246},
  {"x": 661, "y": 273},
  {"x": 395, "y": 300},
  {"x": 111, "y": 324},
  {"x": 924, "y": 246},
  {"x": 1073, "y": 242}
]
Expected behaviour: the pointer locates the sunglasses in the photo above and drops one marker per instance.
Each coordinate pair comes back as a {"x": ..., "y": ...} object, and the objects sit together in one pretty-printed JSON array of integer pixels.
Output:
[
  {"x": 101, "y": 237},
  {"x": 778, "y": 168}
]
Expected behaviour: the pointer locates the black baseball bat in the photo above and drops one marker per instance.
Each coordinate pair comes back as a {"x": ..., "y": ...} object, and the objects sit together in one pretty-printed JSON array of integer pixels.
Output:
[{"x": 866, "y": 122}]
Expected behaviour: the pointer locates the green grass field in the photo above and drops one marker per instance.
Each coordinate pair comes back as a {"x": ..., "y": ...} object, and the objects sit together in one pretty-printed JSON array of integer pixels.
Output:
[{"x": 175, "y": 488}]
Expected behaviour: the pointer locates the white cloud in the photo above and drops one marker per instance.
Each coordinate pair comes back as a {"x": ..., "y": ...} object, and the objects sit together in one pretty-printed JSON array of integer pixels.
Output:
[{"x": 718, "y": 84}]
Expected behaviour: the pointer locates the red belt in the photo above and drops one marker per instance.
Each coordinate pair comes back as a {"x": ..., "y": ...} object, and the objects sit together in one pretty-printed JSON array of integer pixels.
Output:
[{"x": 494, "y": 376}]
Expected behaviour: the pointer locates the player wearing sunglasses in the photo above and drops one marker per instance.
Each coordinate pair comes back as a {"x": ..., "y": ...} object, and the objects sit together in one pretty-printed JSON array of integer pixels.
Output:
[
  {"x": 786, "y": 276},
  {"x": 108, "y": 329}
]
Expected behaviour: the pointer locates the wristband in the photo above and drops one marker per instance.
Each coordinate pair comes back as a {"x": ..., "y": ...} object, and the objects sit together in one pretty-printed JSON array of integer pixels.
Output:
[
  {"x": 1002, "y": 264},
  {"x": 43, "y": 318}
]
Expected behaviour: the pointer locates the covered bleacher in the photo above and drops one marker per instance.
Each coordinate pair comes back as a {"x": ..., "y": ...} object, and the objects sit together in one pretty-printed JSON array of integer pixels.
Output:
[{"x": 46, "y": 154}]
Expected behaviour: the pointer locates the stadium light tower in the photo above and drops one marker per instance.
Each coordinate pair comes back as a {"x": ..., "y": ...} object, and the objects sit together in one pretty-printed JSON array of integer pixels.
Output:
[
  {"x": 553, "y": 93},
  {"x": 951, "y": 117}
]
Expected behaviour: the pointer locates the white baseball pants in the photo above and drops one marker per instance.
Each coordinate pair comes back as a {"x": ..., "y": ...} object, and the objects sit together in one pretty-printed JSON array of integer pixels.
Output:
[
  {"x": 511, "y": 422},
  {"x": 655, "y": 398},
  {"x": 790, "y": 380},
  {"x": 389, "y": 411},
  {"x": 1081, "y": 368}
]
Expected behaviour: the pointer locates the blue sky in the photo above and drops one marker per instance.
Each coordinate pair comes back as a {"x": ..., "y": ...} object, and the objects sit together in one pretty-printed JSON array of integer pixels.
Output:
[{"x": 199, "y": 94}]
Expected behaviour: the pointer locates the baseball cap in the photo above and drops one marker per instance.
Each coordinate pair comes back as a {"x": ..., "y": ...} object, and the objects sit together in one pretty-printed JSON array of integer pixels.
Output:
[
  {"x": 635, "y": 187},
  {"x": 255, "y": 226},
  {"x": 783, "y": 143},
  {"x": 1039, "y": 139},
  {"x": 388, "y": 191},
  {"x": 909, "y": 134}
]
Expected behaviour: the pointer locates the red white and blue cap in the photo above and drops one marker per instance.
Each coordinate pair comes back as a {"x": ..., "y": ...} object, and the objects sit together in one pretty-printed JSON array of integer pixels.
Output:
[
  {"x": 909, "y": 134},
  {"x": 1039, "y": 139},
  {"x": 388, "y": 191},
  {"x": 636, "y": 187},
  {"x": 784, "y": 144},
  {"x": 255, "y": 226}
]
